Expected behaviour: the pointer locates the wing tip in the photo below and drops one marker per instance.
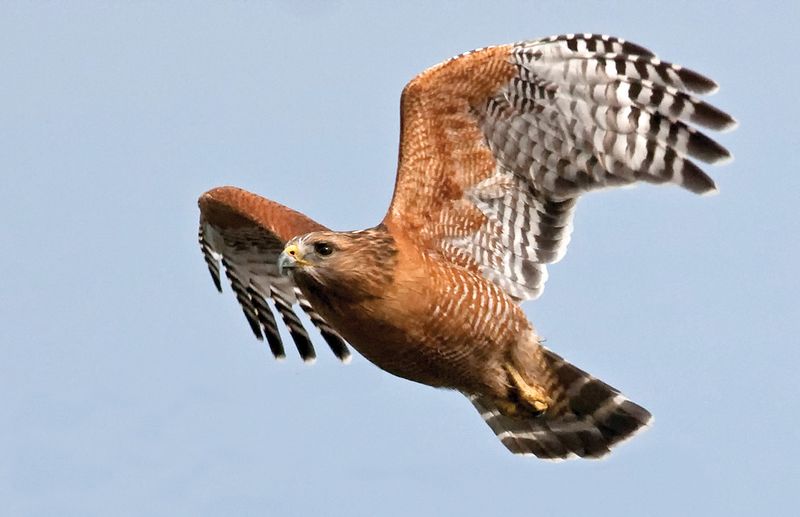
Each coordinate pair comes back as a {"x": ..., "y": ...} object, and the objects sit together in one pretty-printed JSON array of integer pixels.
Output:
[
  {"x": 696, "y": 82},
  {"x": 730, "y": 125},
  {"x": 711, "y": 192},
  {"x": 635, "y": 49},
  {"x": 708, "y": 115},
  {"x": 217, "y": 282},
  {"x": 724, "y": 159},
  {"x": 712, "y": 88}
]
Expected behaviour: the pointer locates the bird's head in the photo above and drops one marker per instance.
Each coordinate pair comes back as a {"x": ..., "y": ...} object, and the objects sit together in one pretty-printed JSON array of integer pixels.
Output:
[{"x": 345, "y": 264}]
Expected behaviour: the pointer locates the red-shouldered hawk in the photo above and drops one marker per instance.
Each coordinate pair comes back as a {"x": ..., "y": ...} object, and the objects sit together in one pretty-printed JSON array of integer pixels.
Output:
[{"x": 496, "y": 147}]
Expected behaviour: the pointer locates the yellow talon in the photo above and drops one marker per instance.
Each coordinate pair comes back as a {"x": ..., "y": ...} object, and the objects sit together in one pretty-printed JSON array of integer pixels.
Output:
[{"x": 534, "y": 396}]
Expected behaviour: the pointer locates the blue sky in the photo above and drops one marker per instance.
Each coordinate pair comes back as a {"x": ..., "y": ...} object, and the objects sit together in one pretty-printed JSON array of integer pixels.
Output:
[{"x": 129, "y": 387}]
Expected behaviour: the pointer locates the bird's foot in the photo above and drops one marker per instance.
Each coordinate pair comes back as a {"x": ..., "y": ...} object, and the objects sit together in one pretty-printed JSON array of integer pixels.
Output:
[{"x": 535, "y": 398}]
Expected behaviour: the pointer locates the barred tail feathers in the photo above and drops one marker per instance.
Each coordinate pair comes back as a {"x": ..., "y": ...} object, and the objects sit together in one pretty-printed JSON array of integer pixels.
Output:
[{"x": 594, "y": 418}]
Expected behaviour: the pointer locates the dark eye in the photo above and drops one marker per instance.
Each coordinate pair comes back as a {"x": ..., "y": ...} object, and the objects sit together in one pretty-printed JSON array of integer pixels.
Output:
[{"x": 323, "y": 248}]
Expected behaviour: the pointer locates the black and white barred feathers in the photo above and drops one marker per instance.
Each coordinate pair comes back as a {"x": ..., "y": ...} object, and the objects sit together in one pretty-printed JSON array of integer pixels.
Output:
[{"x": 582, "y": 113}]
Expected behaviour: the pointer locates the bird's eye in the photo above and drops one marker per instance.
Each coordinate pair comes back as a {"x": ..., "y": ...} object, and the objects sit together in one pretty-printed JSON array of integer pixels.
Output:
[{"x": 323, "y": 248}]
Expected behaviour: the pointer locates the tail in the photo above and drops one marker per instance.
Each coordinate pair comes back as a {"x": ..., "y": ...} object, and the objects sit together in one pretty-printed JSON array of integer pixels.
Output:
[{"x": 592, "y": 418}]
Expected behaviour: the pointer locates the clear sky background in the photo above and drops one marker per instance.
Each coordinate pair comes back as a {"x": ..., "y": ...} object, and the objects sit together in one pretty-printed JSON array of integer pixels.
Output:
[{"x": 129, "y": 387}]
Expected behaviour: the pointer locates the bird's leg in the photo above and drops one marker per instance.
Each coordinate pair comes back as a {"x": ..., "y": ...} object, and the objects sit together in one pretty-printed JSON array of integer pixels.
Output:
[{"x": 534, "y": 397}]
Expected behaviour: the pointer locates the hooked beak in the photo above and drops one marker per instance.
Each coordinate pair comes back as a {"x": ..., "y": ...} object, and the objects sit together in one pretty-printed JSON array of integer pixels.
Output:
[{"x": 291, "y": 257}]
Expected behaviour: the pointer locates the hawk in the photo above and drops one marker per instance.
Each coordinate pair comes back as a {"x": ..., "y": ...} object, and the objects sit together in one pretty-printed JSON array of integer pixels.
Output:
[{"x": 496, "y": 147}]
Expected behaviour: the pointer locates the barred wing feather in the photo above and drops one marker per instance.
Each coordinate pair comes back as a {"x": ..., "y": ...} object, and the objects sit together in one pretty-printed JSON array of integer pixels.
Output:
[
  {"x": 499, "y": 143},
  {"x": 243, "y": 234}
]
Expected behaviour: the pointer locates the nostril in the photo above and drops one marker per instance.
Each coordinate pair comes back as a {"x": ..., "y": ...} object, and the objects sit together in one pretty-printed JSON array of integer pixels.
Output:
[{"x": 291, "y": 252}]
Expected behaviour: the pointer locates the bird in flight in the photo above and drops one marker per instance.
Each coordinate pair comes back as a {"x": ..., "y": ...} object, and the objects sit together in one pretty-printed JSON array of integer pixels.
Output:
[{"x": 496, "y": 147}]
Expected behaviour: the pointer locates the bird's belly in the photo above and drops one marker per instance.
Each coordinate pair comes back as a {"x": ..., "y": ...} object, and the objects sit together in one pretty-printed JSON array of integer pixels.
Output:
[
  {"x": 423, "y": 351},
  {"x": 413, "y": 360}
]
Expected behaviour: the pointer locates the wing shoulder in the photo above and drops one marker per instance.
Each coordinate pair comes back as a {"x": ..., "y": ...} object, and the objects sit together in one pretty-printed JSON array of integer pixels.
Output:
[{"x": 234, "y": 208}]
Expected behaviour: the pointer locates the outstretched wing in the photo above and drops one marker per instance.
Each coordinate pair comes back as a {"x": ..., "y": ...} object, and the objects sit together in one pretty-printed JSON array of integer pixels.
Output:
[
  {"x": 498, "y": 144},
  {"x": 246, "y": 233}
]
